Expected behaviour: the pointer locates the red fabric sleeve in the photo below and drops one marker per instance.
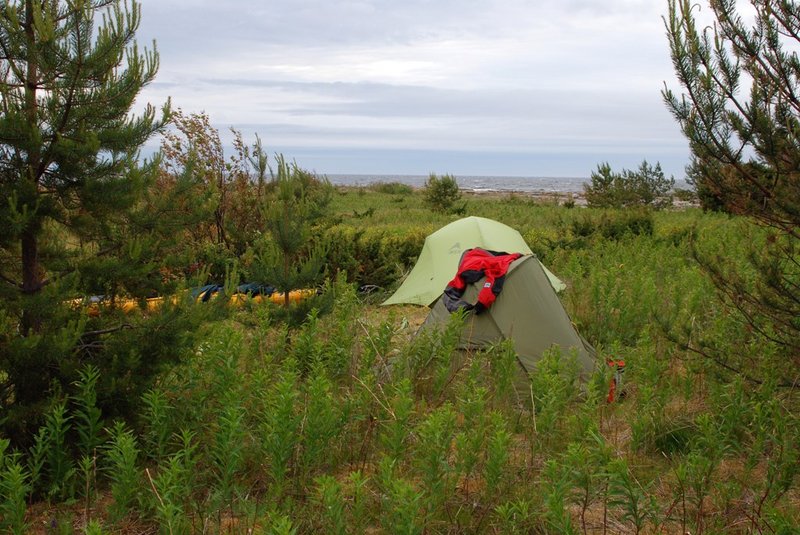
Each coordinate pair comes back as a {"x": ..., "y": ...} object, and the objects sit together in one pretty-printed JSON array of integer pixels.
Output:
[
  {"x": 486, "y": 295},
  {"x": 457, "y": 283},
  {"x": 489, "y": 265}
]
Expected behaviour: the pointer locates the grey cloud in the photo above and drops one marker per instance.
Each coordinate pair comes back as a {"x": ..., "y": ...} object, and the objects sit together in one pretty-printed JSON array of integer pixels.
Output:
[
  {"x": 385, "y": 100},
  {"x": 585, "y": 88}
]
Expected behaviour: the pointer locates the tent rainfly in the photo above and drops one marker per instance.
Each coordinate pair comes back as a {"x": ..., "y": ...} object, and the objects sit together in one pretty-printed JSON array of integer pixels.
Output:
[
  {"x": 527, "y": 312},
  {"x": 438, "y": 261}
]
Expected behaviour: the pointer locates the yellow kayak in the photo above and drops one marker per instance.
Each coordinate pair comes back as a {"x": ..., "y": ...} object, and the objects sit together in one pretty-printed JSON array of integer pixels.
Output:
[{"x": 93, "y": 306}]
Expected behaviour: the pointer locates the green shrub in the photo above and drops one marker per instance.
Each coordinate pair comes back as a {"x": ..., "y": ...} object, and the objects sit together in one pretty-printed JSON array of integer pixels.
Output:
[
  {"x": 280, "y": 430},
  {"x": 685, "y": 195},
  {"x": 634, "y": 501},
  {"x": 122, "y": 455},
  {"x": 634, "y": 222},
  {"x": 14, "y": 489},
  {"x": 442, "y": 194},
  {"x": 401, "y": 502},
  {"x": 332, "y": 504},
  {"x": 647, "y": 186},
  {"x": 434, "y": 440},
  {"x": 497, "y": 457},
  {"x": 323, "y": 422},
  {"x": 371, "y": 256},
  {"x": 614, "y": 225},
  {"x": 352, "y": 424},
  {"x": 392, "y": 188},
  {"x": 543, "y": 241}
]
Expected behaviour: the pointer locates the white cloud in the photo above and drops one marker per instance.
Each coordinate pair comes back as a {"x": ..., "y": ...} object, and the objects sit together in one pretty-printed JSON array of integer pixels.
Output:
[{"x": 492, "y": 75}]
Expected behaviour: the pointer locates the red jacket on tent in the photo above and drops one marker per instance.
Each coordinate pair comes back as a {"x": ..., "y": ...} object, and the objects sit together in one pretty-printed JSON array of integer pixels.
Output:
[{"x": 476, "y": 264}]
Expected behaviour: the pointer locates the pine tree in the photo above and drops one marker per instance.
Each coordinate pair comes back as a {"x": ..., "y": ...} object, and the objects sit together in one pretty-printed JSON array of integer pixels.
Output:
[
  {"x": 69, "y": 145},
  {"x": 646, "y": 186},
  {"x": 744, "y": 146},
  {"x": 79, "y": 212},
  {"x": 289, "y": 258},
  {"x": 746, "y": 157}
]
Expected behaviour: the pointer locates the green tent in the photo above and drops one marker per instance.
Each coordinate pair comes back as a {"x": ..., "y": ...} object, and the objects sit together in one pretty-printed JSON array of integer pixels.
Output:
[
  {"x": 438, "y": 261},
  {"x": 528, "y": 312}
]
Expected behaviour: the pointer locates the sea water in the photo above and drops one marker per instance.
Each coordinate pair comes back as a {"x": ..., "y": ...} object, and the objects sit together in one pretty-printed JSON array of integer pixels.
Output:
[
  {"x": 527, "y": 184},
  {"x": 474, "y": 183}
]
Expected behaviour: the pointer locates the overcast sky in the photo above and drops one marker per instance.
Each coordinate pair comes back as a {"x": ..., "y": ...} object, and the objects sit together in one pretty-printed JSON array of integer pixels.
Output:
[{"x": 469, "y": 87}]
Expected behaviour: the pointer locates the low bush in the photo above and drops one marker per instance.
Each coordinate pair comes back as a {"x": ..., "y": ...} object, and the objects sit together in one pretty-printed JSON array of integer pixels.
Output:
[
  {"x": 352, "y": 424},
  {"x": 614, "y": 225},
  {"x": 647, "y": 186},
  {"x": 442, "y": 194},
  {"x": 392, "y": 188},
  {"x": 372, "y": 256},
  {"x": 685, "y": 195}
]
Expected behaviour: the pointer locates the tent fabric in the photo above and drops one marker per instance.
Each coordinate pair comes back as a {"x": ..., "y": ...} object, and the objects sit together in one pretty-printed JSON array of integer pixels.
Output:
[
  {"x": 438, "y": 261},
  {"x": 477, "y": 264},
  {"x": 527, "y": 312}
]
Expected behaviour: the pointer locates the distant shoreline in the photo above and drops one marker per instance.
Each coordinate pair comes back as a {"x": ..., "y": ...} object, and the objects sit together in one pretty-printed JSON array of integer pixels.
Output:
[
  {"x": 556, "y": 197},
  {"x": 474, "y": 183},
  {"x": 562, "y": 197},
  {"x": 541, "y": 187}
]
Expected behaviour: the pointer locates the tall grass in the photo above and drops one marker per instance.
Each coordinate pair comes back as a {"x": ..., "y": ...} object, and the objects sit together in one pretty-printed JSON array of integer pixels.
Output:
[{"x": 353, "y": 424}]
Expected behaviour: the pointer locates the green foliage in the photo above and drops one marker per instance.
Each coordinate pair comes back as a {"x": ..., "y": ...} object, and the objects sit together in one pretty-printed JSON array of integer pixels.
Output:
[
  {"x": 628, "y": 494},
  {"x": 87, "y": 415},
  {"x": 587, "y": 471},
  {"x": 556, "y": 493},
  {"x": 432, "y": 359},
  {"x": 221, "y": 195},
  {"x": 553, "y": 384},
  {"x": 396, "y": 430},
  {"x": 741, "y": 140},
  {"x": 744, "y": 155},
  {"x": 434, "y": 436},
  {"x": 322, "y": 421},
  {"x": 94, "y": 527},
  {"x": 357, "y": 424},
  {"x": 758, "y": 287},
  {"x": 647, "y": 186},
  {"x": 505, "y": 369},
  {"x": 37, "y": 457},
  {"x": 70, "y": 142},
  {"x": 307, "y": 346},
  {"x": 122, "y": 454},
  {"x": 168, "y": 495},
  {"x": 124, "y": 353},
  {"x": 75, "y": 204},
  {"x": 615, "y": 225},
  {"x": 329, "y": 496},
  {"x": 282, "y": 525},
  {"x": 442, "y": 194},
  {"x": 59, "y": 463},
  {"x": 392, "y": 188},
  {"x": 514, "y": 517},
  {"x": 290, "y": 259},
  {"x": 401, "y": 502},
  {"x": 341, "y": 339},
  {"x": 497, "y": 456},
  {"x": 470, "y": 441},
  {"x": 157, "y": 424},
  {"x": 372, "y": 256},
  {"x": 227, "y": 453},
  {"x": 14, "y": 489},
  {"x": 280, "y": 428}
]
